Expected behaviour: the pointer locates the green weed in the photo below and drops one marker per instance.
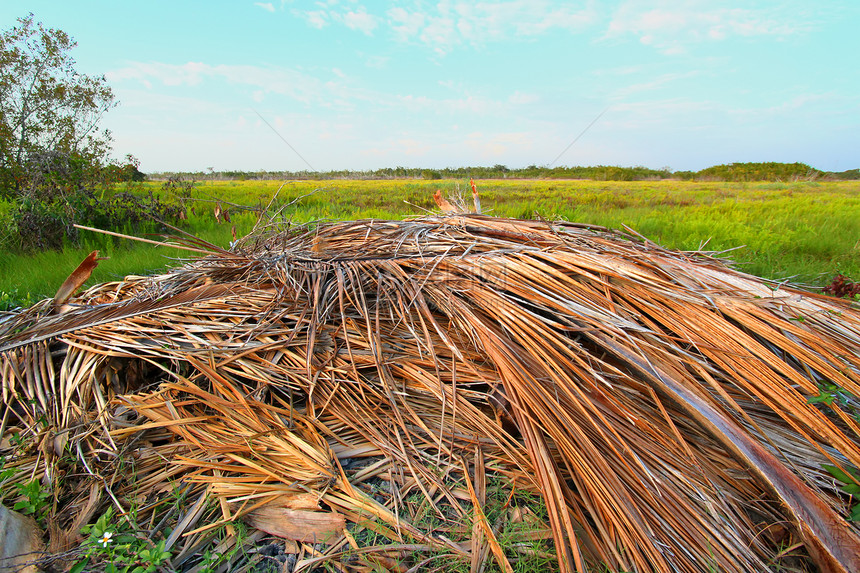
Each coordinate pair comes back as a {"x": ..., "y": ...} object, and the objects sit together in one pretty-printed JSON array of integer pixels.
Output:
[
  {"x": 515, "y": 517},
  {"x": 34, "y": 499},
  {"x": 13, "y": 299},
  {"x": 116, "y": 549},
  {"x": 848, "y": 480}
]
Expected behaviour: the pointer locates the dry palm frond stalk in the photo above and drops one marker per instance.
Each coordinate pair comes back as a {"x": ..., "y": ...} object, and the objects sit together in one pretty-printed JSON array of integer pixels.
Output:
[{"x": 674, "y": 413}]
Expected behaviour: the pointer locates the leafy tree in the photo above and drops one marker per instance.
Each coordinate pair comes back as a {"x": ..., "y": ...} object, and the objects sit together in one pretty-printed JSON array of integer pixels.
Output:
[
  {"x": 46, "y": 106},
  {"x": 54, "y": 164}
]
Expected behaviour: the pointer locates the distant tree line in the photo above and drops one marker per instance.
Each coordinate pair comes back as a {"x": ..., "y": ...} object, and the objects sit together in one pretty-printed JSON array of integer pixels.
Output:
[
  {"x": 756, "y": 172},
  {"x": 770, "y": 171}
]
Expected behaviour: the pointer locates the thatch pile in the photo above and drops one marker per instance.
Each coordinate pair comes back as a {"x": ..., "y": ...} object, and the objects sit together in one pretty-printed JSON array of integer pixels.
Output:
[{"x": 659, "y": 401}]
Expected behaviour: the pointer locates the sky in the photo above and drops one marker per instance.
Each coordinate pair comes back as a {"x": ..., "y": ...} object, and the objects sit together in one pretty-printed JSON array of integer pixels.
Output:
[{"x": 354, "y": 84}]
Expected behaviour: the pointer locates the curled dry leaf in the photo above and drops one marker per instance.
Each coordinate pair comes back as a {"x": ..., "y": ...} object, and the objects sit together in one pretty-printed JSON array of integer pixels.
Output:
[
  {"x": 76, "y": 280},
  {"x": 297, "y": 524}
]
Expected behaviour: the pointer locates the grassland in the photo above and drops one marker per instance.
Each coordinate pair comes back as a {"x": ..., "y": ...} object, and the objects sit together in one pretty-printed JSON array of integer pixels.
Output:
[{"x": 805, "y": 232}]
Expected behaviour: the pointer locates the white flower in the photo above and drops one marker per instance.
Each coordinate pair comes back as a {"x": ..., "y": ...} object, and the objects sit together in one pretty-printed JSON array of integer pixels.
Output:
[{"x": 106, "y": 538}]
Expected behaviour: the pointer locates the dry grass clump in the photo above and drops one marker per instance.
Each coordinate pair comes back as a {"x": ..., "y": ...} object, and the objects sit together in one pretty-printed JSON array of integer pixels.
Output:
[{"x": 313, "y": 380}]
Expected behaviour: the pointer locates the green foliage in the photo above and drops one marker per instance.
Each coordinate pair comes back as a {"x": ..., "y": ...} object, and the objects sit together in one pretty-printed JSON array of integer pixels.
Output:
[
  {"x": 5, "y": 473},
  {"x": 759, "y": 172},
  {"x": 49, "y": 224},
  {"x": 828, "y": 394},
  {"x": 211, "y": 560},
  {"x": 35, "y": 500},
  {"x": 849, "y": 175},
  {"x": 514, "y": 515},
  {"x": 179, "y": 186},
  {"x": 126, "y": 172},
  {"x": 46, "y": 104},
  {"x": 849, "y": 480},
  {"x": 527, "y": 554},
  {"x": 831, "y": 394},
  {"x": 37, "y": 225},
  {"x": 111, "y": 546},
  {"x": 54, "y": 167}
]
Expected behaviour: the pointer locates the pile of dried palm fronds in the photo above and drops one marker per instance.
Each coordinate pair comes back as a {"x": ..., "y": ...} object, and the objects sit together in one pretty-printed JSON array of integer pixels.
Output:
[{"x": 659, "y": 401}]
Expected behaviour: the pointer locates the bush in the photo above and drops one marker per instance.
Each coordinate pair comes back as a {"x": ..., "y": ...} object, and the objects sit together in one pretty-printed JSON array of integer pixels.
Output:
[
  {"x": 38, "y": 226},
  {"x": 760, "y": 172},
  {"x": 63, "y": 189}
]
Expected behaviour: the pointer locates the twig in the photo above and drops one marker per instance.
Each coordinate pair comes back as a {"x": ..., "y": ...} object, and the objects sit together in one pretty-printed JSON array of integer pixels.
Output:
[{"x": 150, "y": 241}]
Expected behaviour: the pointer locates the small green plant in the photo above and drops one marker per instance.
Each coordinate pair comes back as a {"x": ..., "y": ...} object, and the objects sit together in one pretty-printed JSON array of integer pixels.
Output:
[
  {"x": 5, "y": 473},
  {"x": 110, "y": 544},
  {"x": 18, "y": 441},
  {"x": 828, "y": 393},
  {"x": 13, "y": 299},
  {"x": 849, "y": 481},
  {"x": 35, "y": 500},
  {"x": 515, "y": 517},
  {"x": 213, "y": 559}
]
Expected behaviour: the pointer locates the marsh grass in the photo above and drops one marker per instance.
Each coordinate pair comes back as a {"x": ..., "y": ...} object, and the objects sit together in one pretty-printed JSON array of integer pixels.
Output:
[{"x": 804, "y": 232}]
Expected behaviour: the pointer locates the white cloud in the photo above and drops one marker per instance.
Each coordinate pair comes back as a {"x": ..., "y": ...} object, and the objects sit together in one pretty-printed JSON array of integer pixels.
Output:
[
  {"x": 439, "y": 34},
  {"x": 447, "y": 24},
  {"x": 670, "y": 26},
  {"x": 405, "y": 24},
  {"x": 670, "y": 113},
  {"x": 469, "y": 104},
  {"x": 168, "y": 74},
  {"x": 267, "y": 6},
  {"x": 436, "y": 148},
  {"x": 262, "y": 79},
  {"x": 319, "y": 19},
  {"x": 653, "y": 84},
  {"x": 520, "y": 98},
  {"x": 492, "y": 146},
  {"x": 793, "y": 106},
  {"x": 526, "y": 18},
  {"x": 622, "y": 70},
  {"x": 376, "y": 62},
  {"x": 327, "y": 88},
  {"x": 454, "y": 23},
  {"x": 361, "y": 21},
  {"x": 413, "y": 147},
  {"x": 156, "y": 105},
  {"x": 326, "y": 14}
]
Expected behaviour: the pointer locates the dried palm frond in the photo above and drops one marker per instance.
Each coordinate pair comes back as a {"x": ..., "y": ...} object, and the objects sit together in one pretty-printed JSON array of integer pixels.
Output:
[
  {"x": 444, "y": 204},
  {"x": 667, "y": 407}
]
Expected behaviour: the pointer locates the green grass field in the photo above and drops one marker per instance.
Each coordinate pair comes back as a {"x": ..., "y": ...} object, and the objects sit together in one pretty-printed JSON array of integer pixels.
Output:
[{"x": 805, "y": 232}]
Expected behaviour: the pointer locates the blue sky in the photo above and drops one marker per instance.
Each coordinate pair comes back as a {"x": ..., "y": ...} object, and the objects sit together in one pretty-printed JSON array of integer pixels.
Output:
[{"x": 348, "y": 84}]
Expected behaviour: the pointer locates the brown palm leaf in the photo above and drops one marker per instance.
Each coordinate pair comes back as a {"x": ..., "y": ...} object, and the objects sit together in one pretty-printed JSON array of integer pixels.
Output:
[{"x": 673, "y": 412}]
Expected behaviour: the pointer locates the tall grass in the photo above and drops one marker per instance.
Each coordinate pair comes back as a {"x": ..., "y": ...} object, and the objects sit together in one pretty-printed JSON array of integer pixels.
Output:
[
  {"x": 27, "y": 278},
  {"x": 806, "y": 231}
]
